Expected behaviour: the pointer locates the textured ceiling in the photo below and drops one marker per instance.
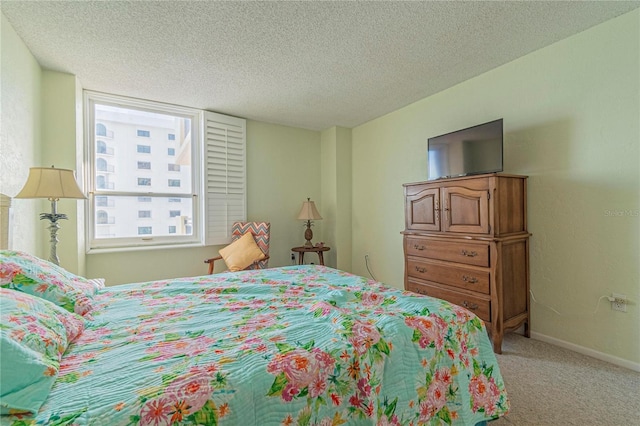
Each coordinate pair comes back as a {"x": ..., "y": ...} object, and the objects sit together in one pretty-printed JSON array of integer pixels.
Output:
[{"x": 307, "y": 64}]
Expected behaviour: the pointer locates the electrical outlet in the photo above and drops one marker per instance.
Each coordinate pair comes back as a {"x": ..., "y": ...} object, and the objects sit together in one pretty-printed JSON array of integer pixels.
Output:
[{"x": 619, "y": 302}]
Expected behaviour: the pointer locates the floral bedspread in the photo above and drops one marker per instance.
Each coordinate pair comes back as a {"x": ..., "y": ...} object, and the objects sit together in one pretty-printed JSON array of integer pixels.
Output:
[{"x": 300, "y": 345}]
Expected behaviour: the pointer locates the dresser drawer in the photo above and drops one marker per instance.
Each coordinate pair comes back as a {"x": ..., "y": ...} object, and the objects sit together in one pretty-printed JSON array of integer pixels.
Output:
[
  {"x": 457, "y": 276},
  {"x": 479, "y": 306},
  {"x": 459, "y": 251}
]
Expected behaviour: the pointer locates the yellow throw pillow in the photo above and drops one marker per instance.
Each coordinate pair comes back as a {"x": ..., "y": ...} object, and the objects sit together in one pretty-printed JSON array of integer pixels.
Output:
[{"x": 241, "y": 253}]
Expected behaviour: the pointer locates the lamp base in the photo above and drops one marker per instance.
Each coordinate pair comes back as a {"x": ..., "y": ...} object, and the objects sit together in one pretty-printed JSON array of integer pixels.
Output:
[{"x": 308, "y": 235}]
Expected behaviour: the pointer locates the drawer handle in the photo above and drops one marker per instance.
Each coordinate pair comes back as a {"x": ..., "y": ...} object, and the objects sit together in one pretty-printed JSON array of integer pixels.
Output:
[
  {"x": 472, "y": 306},
  {"x": 417, "y": 247},
  {"x": 420, "y": 269},
  {"x": 469, "y": 253},
  {"x": 470, "y": 280}
]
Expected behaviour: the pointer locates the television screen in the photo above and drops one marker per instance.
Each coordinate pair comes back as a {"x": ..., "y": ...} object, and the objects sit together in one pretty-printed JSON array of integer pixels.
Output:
[{"x": 470, "y": 151}]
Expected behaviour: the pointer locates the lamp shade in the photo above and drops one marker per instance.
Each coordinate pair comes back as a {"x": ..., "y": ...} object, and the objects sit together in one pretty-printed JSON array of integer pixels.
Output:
[
  {"x": 51, "y": 183},
  {"x": 309, "y": 211}
]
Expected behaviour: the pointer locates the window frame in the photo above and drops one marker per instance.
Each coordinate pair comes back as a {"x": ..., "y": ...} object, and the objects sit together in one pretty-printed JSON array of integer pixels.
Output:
[{"x": 96, "y": 245}]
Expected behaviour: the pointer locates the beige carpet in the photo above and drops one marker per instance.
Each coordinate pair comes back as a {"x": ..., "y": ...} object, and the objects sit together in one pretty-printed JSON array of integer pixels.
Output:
[{"x": 549, "y": 385}]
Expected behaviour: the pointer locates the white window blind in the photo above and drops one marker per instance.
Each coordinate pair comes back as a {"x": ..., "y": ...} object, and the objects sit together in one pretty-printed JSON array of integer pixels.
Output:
[{"x": 225, "y": 185}]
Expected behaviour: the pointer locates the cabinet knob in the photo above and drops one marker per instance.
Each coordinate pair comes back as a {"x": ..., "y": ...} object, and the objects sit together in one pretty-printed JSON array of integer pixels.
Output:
[
  {"x": 469, "y": 253},
  {"x": 417, "y": 247},
  {"x": 470, "y": 280},
  {"x": 421, "y": 269},
  {"x": 471, "y": 306}
]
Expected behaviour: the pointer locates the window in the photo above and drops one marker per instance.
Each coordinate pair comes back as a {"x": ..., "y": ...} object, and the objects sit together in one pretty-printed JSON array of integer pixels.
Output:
[
  {"x": 172, "y": 229},
  {"x": 102, "y": 217},
  {"x": 209, "y": 182},
  {"x": 101, "y": 164},
  {"x": 144, "y": 133},
  {"x": 101, "y": 147},
  {"x": 102, "y": 201},
  {"x": 101, "y": 182},
  {"x": 171, "y": 136},
  {"x": 101, "y": 129}
]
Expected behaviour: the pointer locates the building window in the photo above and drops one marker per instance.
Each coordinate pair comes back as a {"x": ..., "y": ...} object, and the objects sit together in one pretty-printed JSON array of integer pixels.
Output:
[
  {"x": 144, "y": 214},
  {"x": 101, "y": 129},
  {"x": 145, "y": 230},
  {"x": 102, "y": 201},
  {"x": 101, "y": 164},
  {"x": 173, "y": 167},
  {"x": 101, "y": 182},
  {"x": 171, "y": 136},
  {"x": 102, "y": 217},
  {"x": 172, "y": 229},
  {"x": 101, "y": 147},
  {"x": 146, "y": 165},
  {"x": 144, "y": 133},
  {"x": 220, "y": 139}
]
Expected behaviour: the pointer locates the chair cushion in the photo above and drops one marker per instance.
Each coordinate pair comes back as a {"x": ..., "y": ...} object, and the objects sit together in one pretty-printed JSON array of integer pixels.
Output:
[{"x": 241, "y": 253}]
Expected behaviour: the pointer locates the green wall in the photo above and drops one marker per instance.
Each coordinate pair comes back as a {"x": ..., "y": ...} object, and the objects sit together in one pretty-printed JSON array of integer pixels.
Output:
[
  {"x": 571, "y": 115},
  {"x": 20, "y": 141}
]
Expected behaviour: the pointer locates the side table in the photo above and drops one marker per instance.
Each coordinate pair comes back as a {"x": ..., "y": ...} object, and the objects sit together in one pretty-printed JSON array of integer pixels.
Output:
[{"x": 304, "y": 249}]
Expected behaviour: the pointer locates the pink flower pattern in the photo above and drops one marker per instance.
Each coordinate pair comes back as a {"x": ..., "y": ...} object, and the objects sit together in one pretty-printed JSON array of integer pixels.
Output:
[{"x": 196, "y": 338}]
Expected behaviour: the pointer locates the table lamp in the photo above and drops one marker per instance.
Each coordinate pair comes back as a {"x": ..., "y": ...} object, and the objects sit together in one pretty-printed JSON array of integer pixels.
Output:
[
  {"x": 52, "y": 184},
  {"x": 309, "y": 212}
]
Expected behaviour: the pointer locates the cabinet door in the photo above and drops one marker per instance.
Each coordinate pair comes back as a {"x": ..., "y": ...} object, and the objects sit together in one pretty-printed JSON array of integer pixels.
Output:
[
  {"x": 465, "y": 210},
  {"x": 422, "y": 210}
]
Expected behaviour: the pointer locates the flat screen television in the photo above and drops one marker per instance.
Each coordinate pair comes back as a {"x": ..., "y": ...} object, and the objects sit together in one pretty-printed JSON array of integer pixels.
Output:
[{"x": 470, "y": 151}]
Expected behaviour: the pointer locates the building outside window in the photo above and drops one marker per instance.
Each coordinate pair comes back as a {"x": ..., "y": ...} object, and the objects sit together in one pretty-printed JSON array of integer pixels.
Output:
[
  {"x": 130, "y": 184},
  {"x": 145, "y": 230}
]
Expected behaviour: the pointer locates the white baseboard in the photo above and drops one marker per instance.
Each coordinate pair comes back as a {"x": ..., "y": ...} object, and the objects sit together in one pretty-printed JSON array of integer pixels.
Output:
[{"x": 586, "y": 351}]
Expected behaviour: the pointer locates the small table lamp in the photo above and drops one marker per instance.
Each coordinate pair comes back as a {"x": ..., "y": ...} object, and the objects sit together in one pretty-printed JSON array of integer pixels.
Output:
[
  {"x": 308, "y": 212},
  {"x": 52, "y": 184}
]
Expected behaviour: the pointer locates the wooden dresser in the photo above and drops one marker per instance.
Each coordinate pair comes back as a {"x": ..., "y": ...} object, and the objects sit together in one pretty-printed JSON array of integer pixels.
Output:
[{"x": 466, "y": 241}]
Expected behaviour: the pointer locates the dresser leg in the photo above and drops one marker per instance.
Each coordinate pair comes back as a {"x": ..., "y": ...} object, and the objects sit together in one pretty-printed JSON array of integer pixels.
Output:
[
  {"x": 497, "y": 343},
  {"x": 527, "y": 330}
]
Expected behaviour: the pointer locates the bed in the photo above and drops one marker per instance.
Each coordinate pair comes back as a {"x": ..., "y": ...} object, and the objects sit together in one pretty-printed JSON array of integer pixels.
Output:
[{"x": 298, "y": 345}]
